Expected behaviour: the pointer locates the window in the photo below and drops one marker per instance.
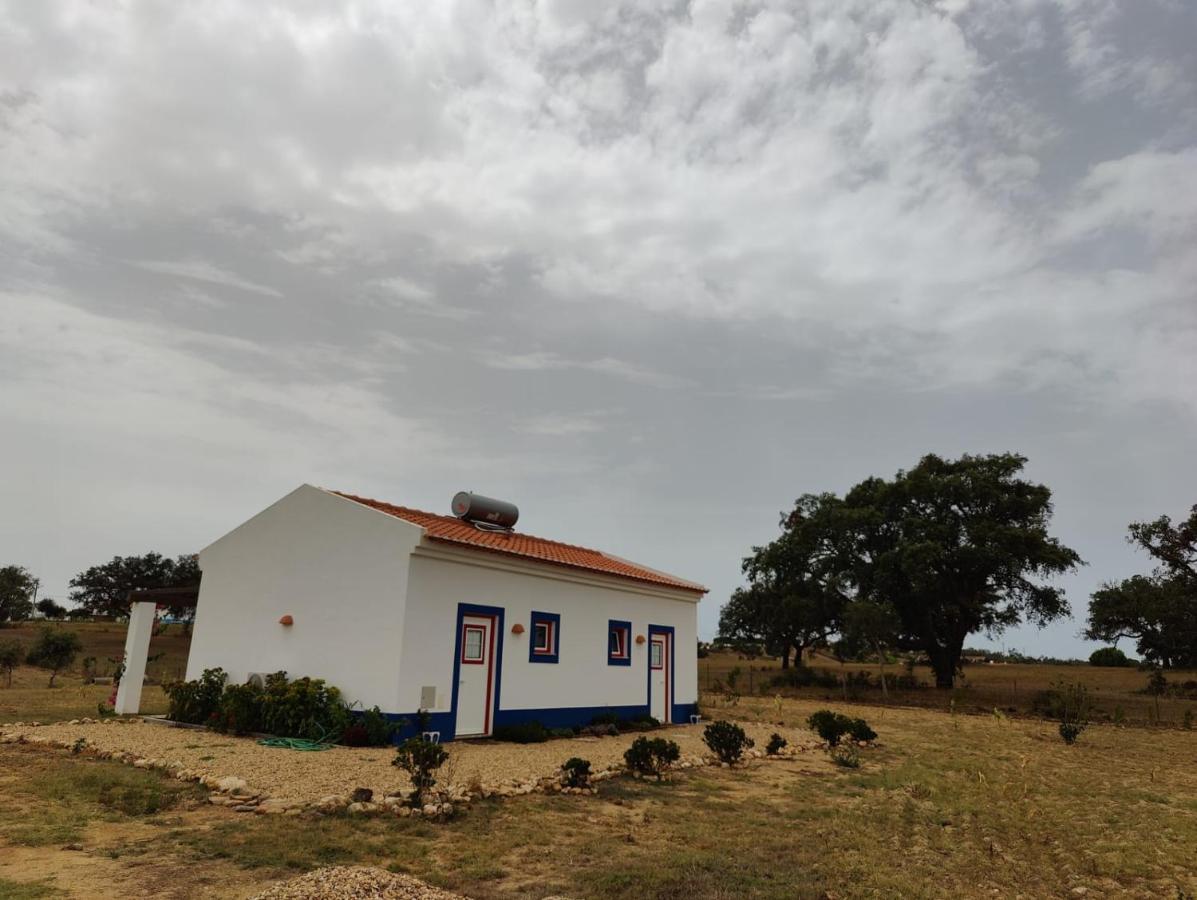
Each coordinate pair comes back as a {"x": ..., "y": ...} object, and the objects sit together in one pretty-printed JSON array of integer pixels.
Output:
[
  {"x": 619, "y": 643},
  {"x": 473, "y": 639},
  {"x": 546, "y": 637},
  {"x": 657, "y": 655}
]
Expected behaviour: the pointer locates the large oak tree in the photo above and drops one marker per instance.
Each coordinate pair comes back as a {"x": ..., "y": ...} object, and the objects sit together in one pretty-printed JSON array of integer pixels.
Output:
[
  {"x": 103, "y": 590},
  {"x": 1158, "y": 610},
  {"x": 953, "y": 547}
]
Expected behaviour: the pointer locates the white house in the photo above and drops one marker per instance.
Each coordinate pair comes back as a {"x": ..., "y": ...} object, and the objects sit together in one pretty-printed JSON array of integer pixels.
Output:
[{"x": 409, "y": 610}]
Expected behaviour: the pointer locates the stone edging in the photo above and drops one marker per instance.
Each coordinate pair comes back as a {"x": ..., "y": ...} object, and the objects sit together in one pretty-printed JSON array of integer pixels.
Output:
[{"x": 234, "y": 793}]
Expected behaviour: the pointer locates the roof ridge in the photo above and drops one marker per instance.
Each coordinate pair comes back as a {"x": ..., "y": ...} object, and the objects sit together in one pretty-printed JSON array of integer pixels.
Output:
[
  {"x": 498, "y": 532},
  {"x": 440, "y": 527}
]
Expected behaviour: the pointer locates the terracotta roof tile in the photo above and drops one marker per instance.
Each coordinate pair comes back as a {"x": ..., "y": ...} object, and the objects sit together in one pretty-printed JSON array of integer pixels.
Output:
[{"x": 456, "y": 531}]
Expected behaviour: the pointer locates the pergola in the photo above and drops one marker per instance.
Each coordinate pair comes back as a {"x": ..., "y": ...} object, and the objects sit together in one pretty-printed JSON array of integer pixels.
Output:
[{"x": 143, "y": 608}]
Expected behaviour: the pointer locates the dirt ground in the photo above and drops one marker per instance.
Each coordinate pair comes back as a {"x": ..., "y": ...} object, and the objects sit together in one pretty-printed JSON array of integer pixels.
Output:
[{"x": 309, "y": 776}]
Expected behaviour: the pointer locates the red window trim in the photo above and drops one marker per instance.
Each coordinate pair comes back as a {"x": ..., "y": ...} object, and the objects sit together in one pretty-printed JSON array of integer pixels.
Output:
[
  {"x": 622, "y": 652},
  {"x": 465, "y": 629},
  {"x": 550, "y": 649}
]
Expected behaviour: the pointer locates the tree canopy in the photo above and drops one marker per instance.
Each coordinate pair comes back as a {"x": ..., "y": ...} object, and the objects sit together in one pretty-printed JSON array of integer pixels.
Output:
[
  {"x": 917, "y": 562},
  {"x": 792, "y": 600},
  {"x": 1159, "y": 610},
  {"x": 17, "y": 586},
  {"x": 103, "y": 590},
  {"x": 55, "y": 649}
]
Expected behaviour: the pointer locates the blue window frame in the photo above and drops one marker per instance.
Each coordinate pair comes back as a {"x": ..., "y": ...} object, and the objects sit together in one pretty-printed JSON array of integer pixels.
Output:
[
  {"x": 545, "y": 640},
  {"x": 619, "y": 643}
]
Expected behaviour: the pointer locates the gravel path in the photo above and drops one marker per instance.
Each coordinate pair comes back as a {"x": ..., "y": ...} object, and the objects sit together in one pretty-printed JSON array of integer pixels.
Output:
[
  {"x": 308, "y": 777},
  {"x": 354, "y": 883}
]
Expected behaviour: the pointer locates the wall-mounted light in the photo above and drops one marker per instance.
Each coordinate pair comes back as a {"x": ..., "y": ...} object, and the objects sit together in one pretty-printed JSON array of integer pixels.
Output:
[
  {"x": 286, "y": 620},
  {"x": 639, "y": 639},
  {"x": 517, "y": 628}
]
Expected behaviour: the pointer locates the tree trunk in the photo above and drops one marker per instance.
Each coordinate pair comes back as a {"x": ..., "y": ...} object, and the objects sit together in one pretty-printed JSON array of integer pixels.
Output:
[
  {"x": 785, "y": 657},
  {"x": 881, "y": 666}
]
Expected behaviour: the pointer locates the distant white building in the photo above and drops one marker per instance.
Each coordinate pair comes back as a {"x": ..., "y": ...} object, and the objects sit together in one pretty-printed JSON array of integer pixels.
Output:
[{"x": 408, "y": 610}]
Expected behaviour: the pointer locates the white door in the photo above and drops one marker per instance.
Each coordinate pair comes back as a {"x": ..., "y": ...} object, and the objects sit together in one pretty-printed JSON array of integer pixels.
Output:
[
  {"x": 476, "y": 676},
  {"x": 658, "y": 677}
]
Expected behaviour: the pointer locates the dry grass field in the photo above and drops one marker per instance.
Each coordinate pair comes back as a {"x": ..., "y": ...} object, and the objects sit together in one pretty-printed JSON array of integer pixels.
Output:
[
  {"x": 954, "y": 801},
  {"x": 944, "y": 806},
  {"x": 1118, "y": 694}
]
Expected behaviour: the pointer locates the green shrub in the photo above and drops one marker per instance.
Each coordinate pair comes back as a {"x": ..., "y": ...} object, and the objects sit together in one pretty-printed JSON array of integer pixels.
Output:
[
  {"x": 727, "y": 741},
  {"x": 846, "y": 757},
  {"x": 522, "y": 733},
  {"x": 610, "y": 717},
  {"x": 195, "y": 702},
  {"x": 239, "y": 711},
  {"x": 608, "y": 730},
  {"x": 420, "y": 759},
  {"x": 303, "y": 708},
  {"x": 380, "y": 731},
  {"x": 55, "y": 650},
  {"x": 651, "y": 756},
  {"x": 831, "y": 726},
  {"x": 10, "y": 658},
  {"x": 775, "y": 745},
  {"x": 1110, "y": 657},
  {"x": 1075, "y": 710},
  {"x": 562, "y": 733},
  {"x": 859, "y": 730},
  {"x": 575, "y": 772}
]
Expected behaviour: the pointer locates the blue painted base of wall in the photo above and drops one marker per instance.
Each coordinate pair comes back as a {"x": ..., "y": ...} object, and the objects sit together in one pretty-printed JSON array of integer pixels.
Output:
[{"x": 560, "y": 717}]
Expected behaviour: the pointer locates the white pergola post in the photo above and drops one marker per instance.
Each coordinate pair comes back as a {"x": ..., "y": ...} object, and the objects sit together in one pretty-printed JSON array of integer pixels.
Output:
[{"x": 137, "y": 649}]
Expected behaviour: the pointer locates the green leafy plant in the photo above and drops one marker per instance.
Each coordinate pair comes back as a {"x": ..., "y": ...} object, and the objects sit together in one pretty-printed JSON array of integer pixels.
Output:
[
  {"x": 303, "y": 708},
  {"x": 846, "y": 757},
  {"x": 420, "y": 759},
  {"x": 775, "y": 745},
  {"x": 727, "y": 741},
  {"x": 79, "y": 746},
  {"x": 10, "y": 658},
  {"x": 1110, "y": 657},
  {"x": 239, "y": 710},
  {"x": 832, "y": 726},
  {"x": 651, "y": 756},
  {"x": 522, "y": 733},
  {"x": 195, "y": 702},
  {"x": 575, "y": 772},
  {"x": 54, "y": 649},
  {"x": 1075, "y": 711}
]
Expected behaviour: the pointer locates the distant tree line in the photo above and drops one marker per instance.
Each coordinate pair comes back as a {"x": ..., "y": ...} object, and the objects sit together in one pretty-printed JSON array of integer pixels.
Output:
[
  {"x": 101, "y": 590},
  {"x": 950, "y": 548}
]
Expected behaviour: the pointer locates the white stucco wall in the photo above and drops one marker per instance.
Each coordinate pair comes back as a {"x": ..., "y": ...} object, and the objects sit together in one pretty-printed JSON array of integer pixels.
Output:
[
  {"x": 337, "y": 567},
  {"x": 441, "y": 579}
]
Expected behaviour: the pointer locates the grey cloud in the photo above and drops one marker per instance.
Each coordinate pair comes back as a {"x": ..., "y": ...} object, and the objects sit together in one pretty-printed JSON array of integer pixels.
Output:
[{"x": 651, "y": 270}]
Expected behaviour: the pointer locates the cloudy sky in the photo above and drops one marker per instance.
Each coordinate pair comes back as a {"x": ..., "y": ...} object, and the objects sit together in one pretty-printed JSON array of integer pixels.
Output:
[{"x": 648, "y": 270}]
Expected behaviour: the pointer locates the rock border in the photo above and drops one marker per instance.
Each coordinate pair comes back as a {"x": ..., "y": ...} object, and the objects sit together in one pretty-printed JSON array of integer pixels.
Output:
[{"x": 232, "y": 792}]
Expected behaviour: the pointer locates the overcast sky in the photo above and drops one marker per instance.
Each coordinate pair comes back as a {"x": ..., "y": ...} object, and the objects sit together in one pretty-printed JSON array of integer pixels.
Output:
[{"x": 650, "y": 271}]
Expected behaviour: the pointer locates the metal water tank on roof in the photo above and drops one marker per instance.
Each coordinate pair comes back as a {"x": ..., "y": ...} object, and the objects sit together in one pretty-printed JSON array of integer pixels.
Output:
[{"x": 476, "y": 508}]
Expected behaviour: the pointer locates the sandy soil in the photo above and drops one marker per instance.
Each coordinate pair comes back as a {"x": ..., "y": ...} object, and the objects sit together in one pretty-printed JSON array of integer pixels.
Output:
[{"x": 307, "y": 777}]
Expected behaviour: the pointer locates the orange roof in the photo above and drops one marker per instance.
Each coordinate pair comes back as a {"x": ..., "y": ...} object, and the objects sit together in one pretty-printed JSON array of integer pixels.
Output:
[{"x": 456, "y": 531}]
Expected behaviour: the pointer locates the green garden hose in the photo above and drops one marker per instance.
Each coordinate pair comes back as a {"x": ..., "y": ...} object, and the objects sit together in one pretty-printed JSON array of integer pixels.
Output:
[{"x": 294, "y": 744}]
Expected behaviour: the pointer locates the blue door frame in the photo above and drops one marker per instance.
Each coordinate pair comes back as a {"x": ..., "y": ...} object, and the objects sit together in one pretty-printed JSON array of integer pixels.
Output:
[
  {"x": 471, "y": 609},
  {"x": 669, "y": 705}
]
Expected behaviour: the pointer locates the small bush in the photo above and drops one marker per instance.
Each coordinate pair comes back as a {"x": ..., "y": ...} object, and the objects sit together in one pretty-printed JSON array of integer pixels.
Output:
[
  {"x": 575, "y": 772},
  {"x": 420, "y": 759},
  {"x": 10, "y": 658},
  {"x": 859, "y": 730},
  {"x": 1157, "y": 683},
  {"x": 610, "y": 717},
  {"x": 831, "y": 726},
  {"x": 727, "y": 741},
  {"x": 1110, "y": 657},
  {"x": 55, "y": 650},
  {"x": 196, "y": 701},
  {"x": 523, "y": 733},
  {"x": 651, "y": 756},
  {"x": 373, "y": 729},
  {"x": 776, "y": 744},
  {"x": 599, "y": 730},
  {"x": 561, "y": 733},
  {"x": 1075, "y": 710},
  {"x": 240, "y": 710},
  {"x": 846, "y": 757},
  {"x": 303, "y": 708}
]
